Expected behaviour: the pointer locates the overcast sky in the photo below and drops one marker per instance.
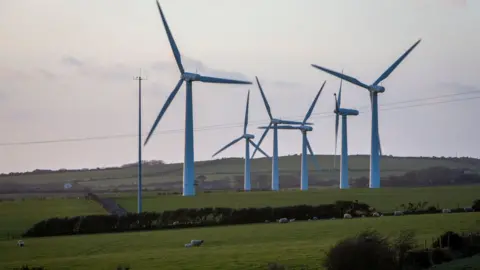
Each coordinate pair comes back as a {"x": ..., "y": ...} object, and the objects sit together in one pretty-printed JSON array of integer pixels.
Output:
[{"x": 67, "y": 67}]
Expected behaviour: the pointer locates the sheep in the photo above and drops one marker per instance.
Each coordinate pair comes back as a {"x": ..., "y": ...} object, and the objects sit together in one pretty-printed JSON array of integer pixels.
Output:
[
  {"x": 292, "y": 220},
  {"x": 315, "y": 218},
  {"x": 20, "y": 243},
  {"x": 347, "y": 216},
  {"x": 376, "y": 214},
  {"x": 446, "y": 210},
  {"x": 468, "y": 209},
  {"x": 176, "y": 223},
  {"x": 398, "y": 213},
  {"x": 283, "y": 220},
  {"x": 188, "y": 245},
  {"x": 196, "y": 243}
]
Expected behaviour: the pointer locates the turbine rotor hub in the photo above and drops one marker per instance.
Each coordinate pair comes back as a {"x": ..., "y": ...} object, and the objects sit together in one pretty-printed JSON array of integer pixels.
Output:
[
  {"x": 377, "y": 89},
  {"x": 187, "y": 76}
]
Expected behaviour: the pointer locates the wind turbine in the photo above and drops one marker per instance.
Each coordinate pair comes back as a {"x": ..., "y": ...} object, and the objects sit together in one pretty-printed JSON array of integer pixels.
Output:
[
  {"x": 339, "y": 111},
  {"x": 274, "y": 122},
  {"x": 248, "y": 140},
  {"x": 305, "y": 143},
  {"x": 374, "y": 90},
  {"x": 188, "y": 78}
]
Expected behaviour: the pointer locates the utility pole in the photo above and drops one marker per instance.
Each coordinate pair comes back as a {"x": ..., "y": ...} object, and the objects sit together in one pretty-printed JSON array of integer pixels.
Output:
[{"x": 139, "y": 188}]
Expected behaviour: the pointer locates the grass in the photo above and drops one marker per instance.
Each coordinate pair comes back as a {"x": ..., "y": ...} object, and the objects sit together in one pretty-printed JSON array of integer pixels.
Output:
[
  {"x": 232, "y": 247},
  {"x": 17, "y": 216},
  {"x": 385, "y": 199}
]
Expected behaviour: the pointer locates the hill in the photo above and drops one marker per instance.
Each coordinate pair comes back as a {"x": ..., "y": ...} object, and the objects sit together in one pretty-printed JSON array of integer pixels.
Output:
[{"x": 220, "y": 174}]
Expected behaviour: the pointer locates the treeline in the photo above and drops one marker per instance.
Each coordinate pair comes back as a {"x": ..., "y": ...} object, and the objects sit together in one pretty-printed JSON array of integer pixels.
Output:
[
  {"x": 192, "y": 217},
  {"x": 202, "y": 217},
  {"x": 434, "y": 176}
]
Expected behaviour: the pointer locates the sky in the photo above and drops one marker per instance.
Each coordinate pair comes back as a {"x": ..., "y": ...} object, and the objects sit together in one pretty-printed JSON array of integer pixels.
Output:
[{"x": 67, "y": 68}]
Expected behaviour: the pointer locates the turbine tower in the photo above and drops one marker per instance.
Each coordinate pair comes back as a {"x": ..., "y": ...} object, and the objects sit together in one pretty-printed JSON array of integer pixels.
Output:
[
  {"x": 188, "y": 78},
  {"x": 305, "y": 143},
  {"x": 274, "y": 122},
  {"x": 248, "y": 140},
  {"x": 374, "y": 89},
  {"x": 339, "y": 111}
]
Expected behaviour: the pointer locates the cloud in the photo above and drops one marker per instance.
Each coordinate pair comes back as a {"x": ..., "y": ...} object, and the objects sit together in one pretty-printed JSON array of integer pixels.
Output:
[
  {"x": 457, "y": 87},
  {"x": 71, "y": 61},
  {"x": 197, "y": 66},
  {"x": 47, "y": 74}
]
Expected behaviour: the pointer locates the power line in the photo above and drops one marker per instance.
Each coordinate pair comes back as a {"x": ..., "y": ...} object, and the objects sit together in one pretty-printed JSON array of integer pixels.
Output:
[{"x": 233, "y": 125}]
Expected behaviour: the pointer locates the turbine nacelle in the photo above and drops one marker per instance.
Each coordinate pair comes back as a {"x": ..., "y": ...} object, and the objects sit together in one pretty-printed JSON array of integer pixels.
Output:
[
  {"x": 288, "y": 122},
  {"x": 248, "y": 136},
  {"x": 342, "y": 111},
  {"x": 376, "y": 89},
  {"x": 187, "y": 76}
]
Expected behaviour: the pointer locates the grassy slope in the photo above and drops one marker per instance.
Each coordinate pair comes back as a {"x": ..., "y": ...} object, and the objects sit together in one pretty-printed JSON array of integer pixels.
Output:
[
  {"x": 232, "y": 247},
  {"x": 218, "y": 169},
  {"x": 17, "y": 216},
  {"x": 472, "y": 263},
  {"x": 385, "y": 199}
]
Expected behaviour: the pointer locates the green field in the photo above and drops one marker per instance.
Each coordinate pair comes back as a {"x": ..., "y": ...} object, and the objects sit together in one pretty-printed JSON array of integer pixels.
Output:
[
  {"x": 232, "y": 247},
  {"x": 227, "y": 169},
  {"x": 385, "y": 199},
  {"x": 17, "y": 216}
]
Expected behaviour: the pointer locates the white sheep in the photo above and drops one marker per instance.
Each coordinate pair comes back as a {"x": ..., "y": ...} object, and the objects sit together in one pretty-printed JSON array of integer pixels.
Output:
[
  {"x": 446, "y": 210},
  {"x": 188, "y": 245},
  {"x": 176, "y": 223},
  {"x": 20, "y": 243},
  {"x": 347, "y": 216},
  {"x": 292, "y": 220},
  {"x": 283, "y": 220},
  {"x": 376, "y": 214},
  {"x": 398, "y": 213},
  {"x": 196, "y": 243},
  {"x": 315, "y": 218}
]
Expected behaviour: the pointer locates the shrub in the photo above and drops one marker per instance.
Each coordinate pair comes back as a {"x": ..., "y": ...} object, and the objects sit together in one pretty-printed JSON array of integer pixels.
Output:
[
  {"x": 440, "y": 256},
  {"x": 476, "y": 205},
  {"x": 449, "y": 240},
  {"x": 366, "y": 251}
]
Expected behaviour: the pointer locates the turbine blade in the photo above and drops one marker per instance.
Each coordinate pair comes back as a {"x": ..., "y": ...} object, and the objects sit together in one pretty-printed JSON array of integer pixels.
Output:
[
  {"x": 164, "y": 109},
  {"x": 317, "y": 163},
  {"x": 221, "y": 80},
  {"x": 310, "y": 110},
  {"x": 261, "y": 138},
  {"x": 259, "y": 149},
  {"x": 288, "y": 122},
  {"x": 340, "y": 94},
  {"x": 228, "y": 145},
  {"x": 342, "y": 76},
  {"x": 336, "y": 140},
  {"x": 336, "y": 102},
  {"x": 395, "y": 65},
  {"x": 379, "y": 144},
  {"x": 246, "y": 114},
  {"x": 175, "y": 50},
  {"x": 288, "y": 127},
  {"x": 267, "y": 106}
]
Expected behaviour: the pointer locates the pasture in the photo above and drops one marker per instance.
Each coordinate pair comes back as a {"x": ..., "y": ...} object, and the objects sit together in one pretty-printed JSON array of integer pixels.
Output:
[
  {"x": 384, "y": 199},
  {"x": 232, "y": 247},
  {"x": 230, "y": 168},
  {"x": 17, "y": 216}
]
